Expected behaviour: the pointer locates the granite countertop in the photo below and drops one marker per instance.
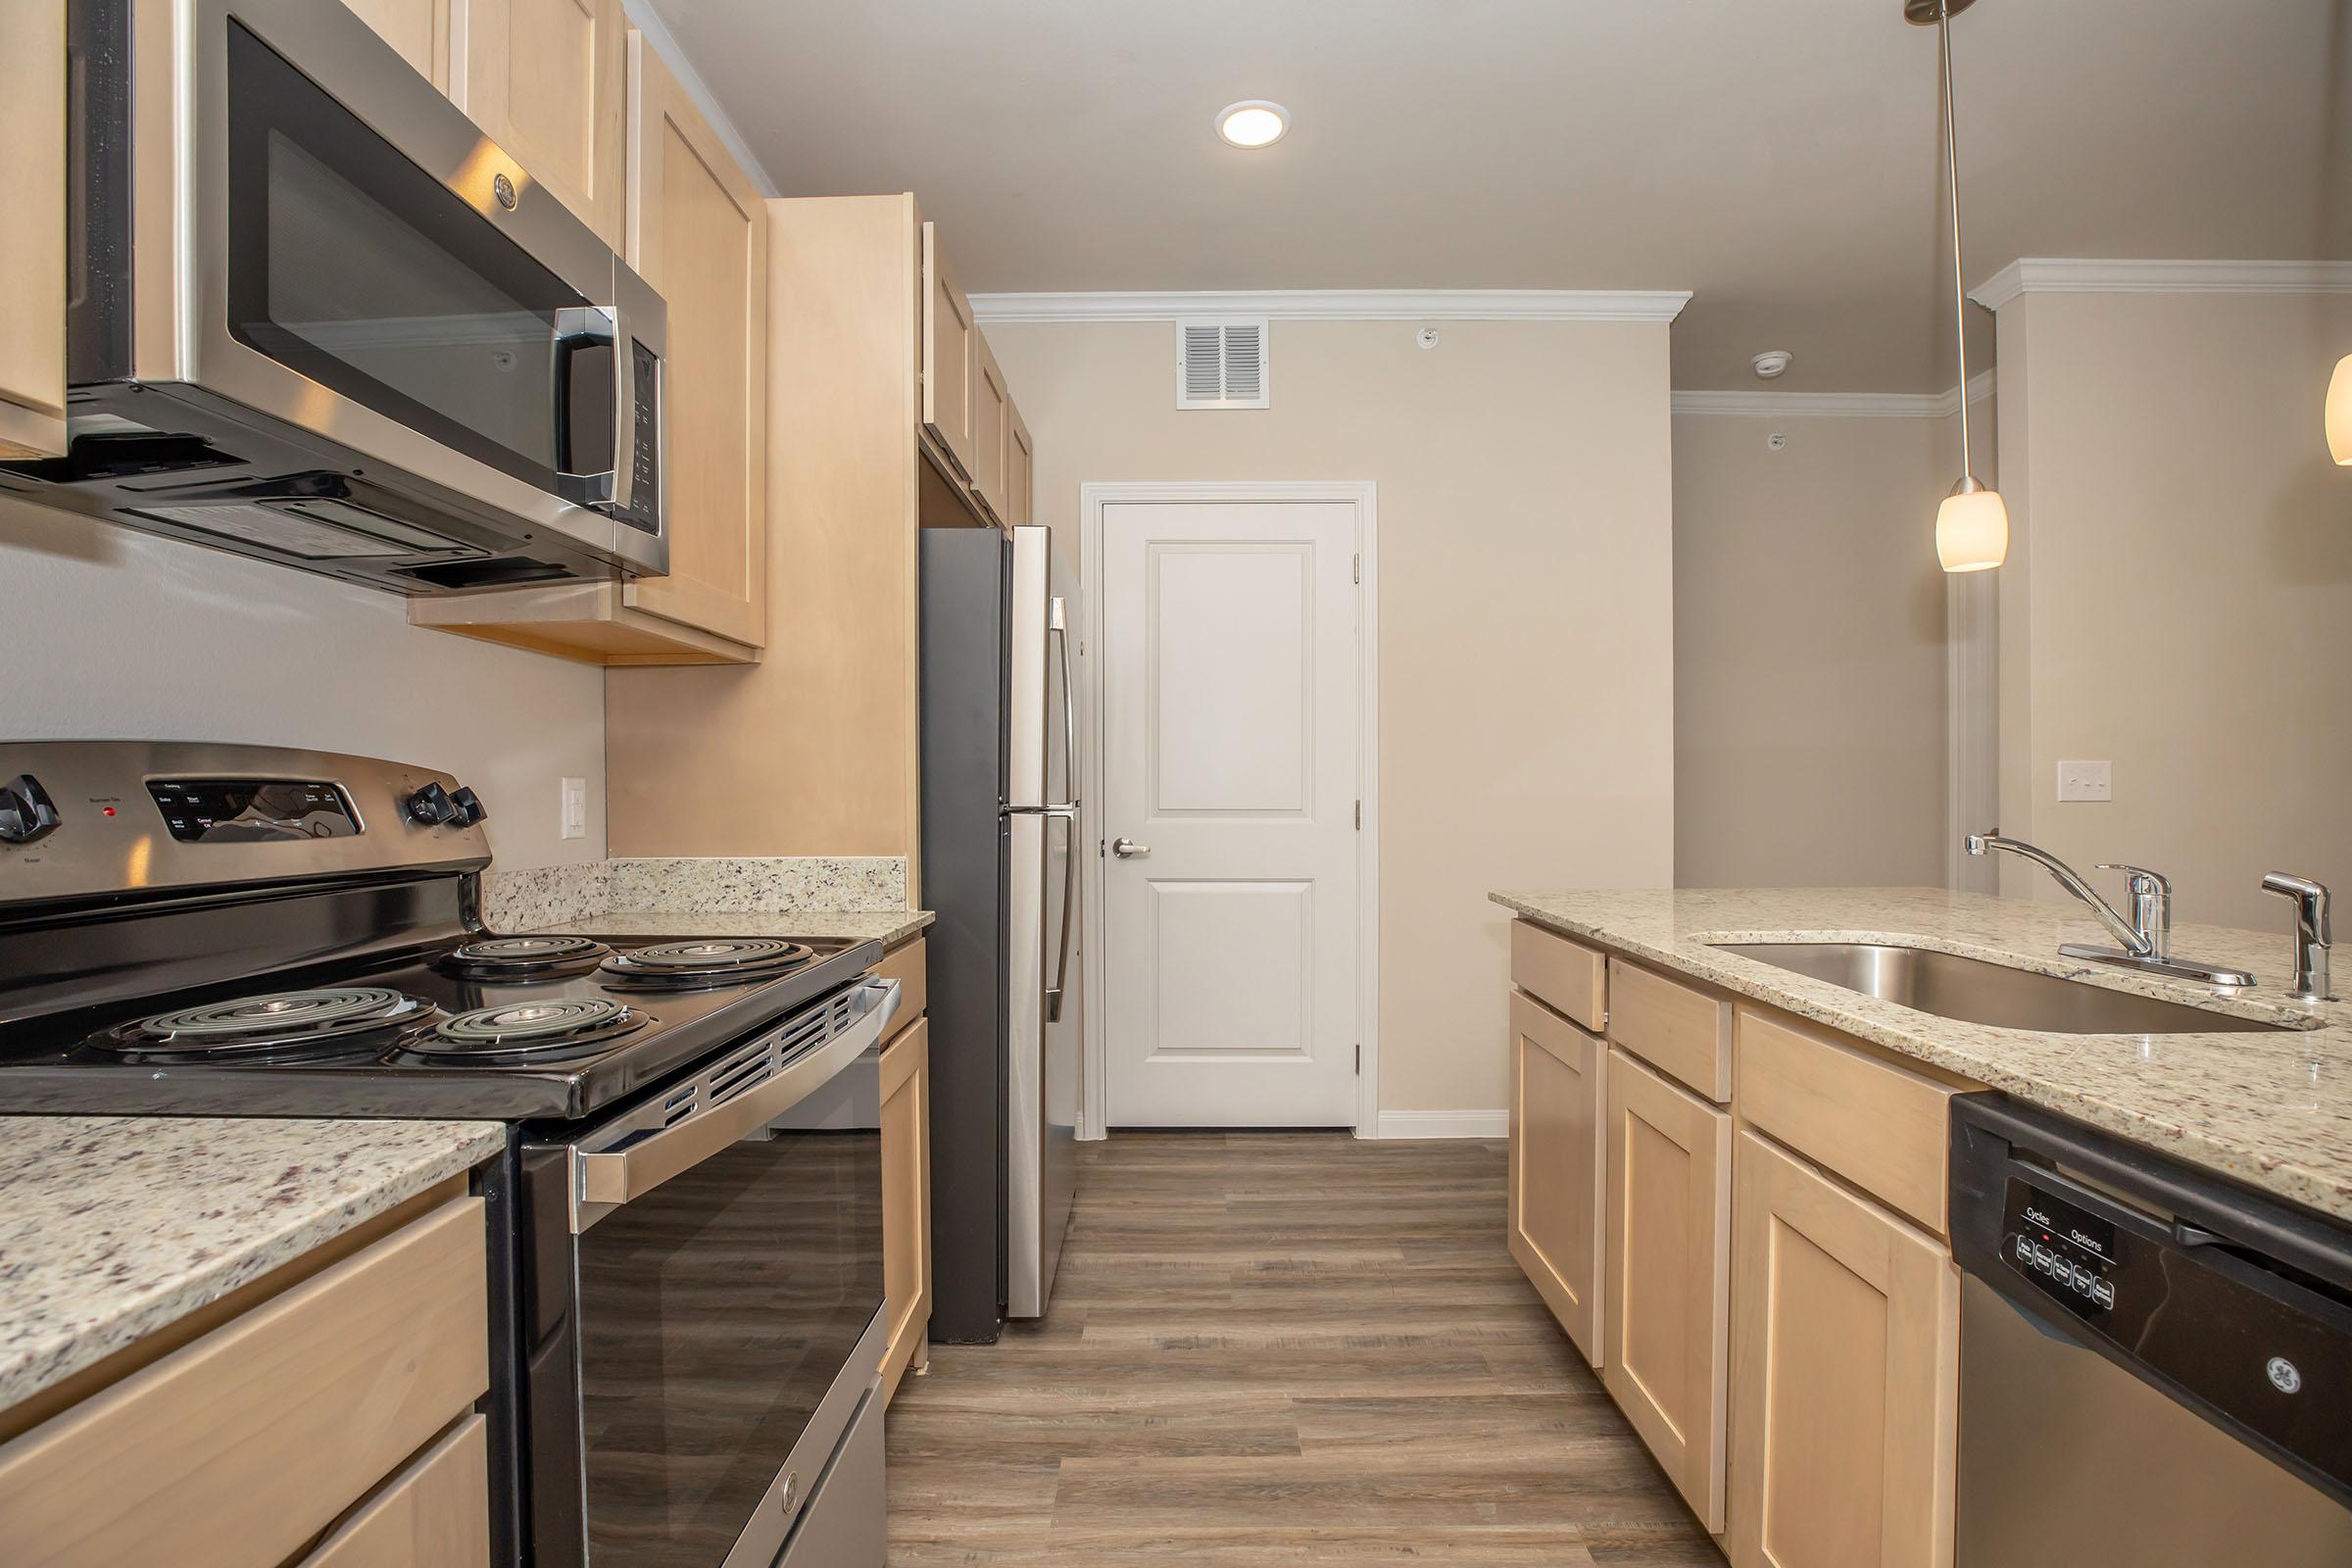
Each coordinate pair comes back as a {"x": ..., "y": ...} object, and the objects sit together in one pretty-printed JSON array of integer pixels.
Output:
[
  {"x": 888, "y": 925},
  {"x": 112, "y": 1227},
  {"x": 2273, "y": 1110}
]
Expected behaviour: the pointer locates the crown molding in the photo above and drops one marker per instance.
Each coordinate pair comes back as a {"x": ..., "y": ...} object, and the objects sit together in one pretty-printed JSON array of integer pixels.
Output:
[
  {"x": 1837, "y": 405},
  {"x": 2061, "y": 274},
  {"x": 1342, "y": 305}
]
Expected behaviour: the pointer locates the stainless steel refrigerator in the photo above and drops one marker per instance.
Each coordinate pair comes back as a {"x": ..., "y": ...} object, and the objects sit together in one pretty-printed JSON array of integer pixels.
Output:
[{"x": 1003, "y": 830}]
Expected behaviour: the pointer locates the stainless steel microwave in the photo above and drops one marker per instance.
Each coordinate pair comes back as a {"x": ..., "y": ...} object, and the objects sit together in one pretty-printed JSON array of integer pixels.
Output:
[{"x": 318, "y": 317}]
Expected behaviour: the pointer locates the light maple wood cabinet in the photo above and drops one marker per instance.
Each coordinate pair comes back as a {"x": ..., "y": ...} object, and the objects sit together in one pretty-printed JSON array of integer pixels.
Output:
[
  {"x": 991, "y": 432},
  {"x": 548, "y": 81},
  {"x": 1021, "y": 470},
  {"x": 1557, "y": 1178},
  {"x": 1844, "y": 1376},
  {"x": 698, "y": 231},
  {"x": 951, "y": 363},
  {"x": 286, "y": 1412},
  {"x": 1666, "y": 1312},
  {"x": 417, "y": 29},
  {"x": 33, "y": 240},
  {"x": 906, "y": 1169}
]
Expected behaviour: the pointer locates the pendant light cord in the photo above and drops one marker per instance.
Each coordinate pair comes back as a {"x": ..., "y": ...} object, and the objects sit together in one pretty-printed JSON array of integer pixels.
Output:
[{"x": 1951, "y": 167}]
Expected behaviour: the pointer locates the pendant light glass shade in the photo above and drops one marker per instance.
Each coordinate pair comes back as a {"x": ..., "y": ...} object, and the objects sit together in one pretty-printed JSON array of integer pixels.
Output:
[
  {"x": 2339, "y": 412},
  {"x": 1972, "y": 528}
]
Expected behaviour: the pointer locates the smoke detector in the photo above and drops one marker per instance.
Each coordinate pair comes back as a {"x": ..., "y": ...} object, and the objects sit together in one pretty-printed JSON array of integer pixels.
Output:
[{"x": 1772, "y": 364}]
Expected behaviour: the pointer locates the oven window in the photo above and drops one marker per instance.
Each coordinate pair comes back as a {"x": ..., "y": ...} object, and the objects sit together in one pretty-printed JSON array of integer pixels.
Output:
[
  {"x": 353, "y": 266},
  {"x": 715, "y": 1311}
]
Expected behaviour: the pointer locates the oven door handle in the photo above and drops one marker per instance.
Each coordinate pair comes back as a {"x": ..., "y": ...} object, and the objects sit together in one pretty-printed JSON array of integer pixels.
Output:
[{"x": 607, "y": 1180}]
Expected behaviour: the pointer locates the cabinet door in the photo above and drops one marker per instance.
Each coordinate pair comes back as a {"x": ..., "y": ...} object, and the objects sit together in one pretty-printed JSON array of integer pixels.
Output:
[
  {"x": 951, "y": 359},
  {"x": 1669, "y": 1274},
  {"x": 32, "y": 242},
  {"x": 992, "y": 411},
  {"x": 1845, "y": 1374},
  {"x": 1557, "y": 1175},
  {"x": 698, "y": 233},
  {"x": 1021, "y": 470},
  {"x": 548, "y": 80},
  {"x": 417, "y": 29},
  {"x": 907, "y": 1199}
]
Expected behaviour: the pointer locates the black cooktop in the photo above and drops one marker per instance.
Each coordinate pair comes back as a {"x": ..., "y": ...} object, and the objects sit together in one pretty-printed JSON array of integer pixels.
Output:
[{"x": 506, "y": 1029}]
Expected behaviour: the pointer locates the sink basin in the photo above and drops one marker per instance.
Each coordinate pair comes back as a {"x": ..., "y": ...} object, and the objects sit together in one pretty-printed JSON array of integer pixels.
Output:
[{"x": 1973, "y": 991}]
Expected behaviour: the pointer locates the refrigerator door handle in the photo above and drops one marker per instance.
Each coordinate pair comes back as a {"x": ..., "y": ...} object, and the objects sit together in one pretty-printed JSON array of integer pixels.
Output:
[
  {"x": 1059, "y": 628},
  {"x": 1069, "y": 890}
]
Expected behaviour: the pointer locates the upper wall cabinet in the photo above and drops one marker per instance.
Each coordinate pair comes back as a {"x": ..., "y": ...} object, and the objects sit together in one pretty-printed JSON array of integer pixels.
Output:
[
  {"x": 547, "y": 80},
  {"x": 1020, "y": 468},
  {"x": 951, "y": 362},
  {"x": 992, "y": 431},
  {"x": 417, "y": 29},
  {"x": 698, "y": 231},
  {"x": 32, "y": 242}
]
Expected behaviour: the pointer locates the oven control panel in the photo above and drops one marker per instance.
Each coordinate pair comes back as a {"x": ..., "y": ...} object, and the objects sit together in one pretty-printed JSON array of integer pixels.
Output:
[{"x": 251, "y": 810}]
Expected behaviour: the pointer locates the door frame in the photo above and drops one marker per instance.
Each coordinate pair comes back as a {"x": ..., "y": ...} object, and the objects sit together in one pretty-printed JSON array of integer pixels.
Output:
[{"x": 1364, "y": 495}]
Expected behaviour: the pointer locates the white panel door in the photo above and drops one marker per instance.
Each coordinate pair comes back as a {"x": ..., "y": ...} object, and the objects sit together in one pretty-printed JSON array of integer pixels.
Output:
[{"x": 1230, "y": 719}]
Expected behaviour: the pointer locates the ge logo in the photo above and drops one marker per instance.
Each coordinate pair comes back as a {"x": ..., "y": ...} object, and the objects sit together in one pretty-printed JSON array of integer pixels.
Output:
[{"x": 2284, "y": 1376}]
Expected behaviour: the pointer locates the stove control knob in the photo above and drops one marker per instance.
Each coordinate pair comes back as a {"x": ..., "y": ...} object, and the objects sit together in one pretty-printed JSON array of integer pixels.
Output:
[
  {"x": 470, "y": 808},
  {"x": 26, "y": 810},
  {"x": 434, "y": 807}
]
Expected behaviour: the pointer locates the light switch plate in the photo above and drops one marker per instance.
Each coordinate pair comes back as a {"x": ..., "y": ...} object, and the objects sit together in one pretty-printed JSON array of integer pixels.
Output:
[
  {"x": 573, "y": 809},
  {"x": 2086, "y": 781}
]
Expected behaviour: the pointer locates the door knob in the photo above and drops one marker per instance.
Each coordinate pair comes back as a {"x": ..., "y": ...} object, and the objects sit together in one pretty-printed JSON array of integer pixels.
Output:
[{"x": 1128, "y": 849}]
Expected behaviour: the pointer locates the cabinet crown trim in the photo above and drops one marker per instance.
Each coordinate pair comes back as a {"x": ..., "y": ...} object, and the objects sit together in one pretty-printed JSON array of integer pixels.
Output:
[{"x": 1340, "y": 305}]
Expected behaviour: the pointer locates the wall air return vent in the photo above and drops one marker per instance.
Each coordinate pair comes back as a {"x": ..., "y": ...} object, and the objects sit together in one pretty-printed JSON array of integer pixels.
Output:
[{"x": 1221, "y": 364}]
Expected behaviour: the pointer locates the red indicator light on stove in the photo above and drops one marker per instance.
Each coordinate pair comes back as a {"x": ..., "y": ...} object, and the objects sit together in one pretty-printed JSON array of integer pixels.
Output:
[{"x": 108, "y": 809}]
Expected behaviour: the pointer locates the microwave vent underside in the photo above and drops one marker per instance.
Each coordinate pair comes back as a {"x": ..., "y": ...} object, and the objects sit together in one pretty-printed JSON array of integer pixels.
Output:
[{"x": 313, "y": 531}]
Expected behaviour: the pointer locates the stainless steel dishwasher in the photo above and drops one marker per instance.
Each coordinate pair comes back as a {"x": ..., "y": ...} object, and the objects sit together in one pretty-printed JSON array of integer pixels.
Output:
[{"x": 2155, "y": 1363}]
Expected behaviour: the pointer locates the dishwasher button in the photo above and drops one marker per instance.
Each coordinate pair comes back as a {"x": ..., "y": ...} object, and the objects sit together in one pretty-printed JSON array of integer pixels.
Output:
[{"x": 2103, "y": 1292}]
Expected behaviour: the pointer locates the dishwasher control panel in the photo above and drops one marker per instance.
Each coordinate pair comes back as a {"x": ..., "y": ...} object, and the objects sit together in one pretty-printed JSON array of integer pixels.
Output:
[{"x": 2071, "y": 1253}]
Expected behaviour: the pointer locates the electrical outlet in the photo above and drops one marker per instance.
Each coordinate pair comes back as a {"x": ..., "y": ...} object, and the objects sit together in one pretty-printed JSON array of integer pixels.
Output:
[
  {"x": 2086, "y": 781},
  {"x": 573, "y": 809}
]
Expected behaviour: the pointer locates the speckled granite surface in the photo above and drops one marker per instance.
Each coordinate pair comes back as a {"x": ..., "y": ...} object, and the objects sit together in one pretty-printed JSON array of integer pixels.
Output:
[
  {"x": 542, "y": 897},
  {"x": 112, "y": 1227},
  {"x": 888, "y": 925},
  {"x": 2273, "y": 1110}
]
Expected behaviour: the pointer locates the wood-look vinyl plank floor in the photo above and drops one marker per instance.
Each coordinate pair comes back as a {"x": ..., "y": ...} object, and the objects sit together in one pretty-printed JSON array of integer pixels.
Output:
[{"x": 1277, "y": 1348}]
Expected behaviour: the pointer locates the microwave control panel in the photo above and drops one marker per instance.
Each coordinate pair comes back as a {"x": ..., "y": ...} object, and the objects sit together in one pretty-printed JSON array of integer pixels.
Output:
[{"x": 644, "y": 510}]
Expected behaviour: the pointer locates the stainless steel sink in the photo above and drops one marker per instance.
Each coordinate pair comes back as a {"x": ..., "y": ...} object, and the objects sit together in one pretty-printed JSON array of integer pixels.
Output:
[{"x": 1974, "y": 990}]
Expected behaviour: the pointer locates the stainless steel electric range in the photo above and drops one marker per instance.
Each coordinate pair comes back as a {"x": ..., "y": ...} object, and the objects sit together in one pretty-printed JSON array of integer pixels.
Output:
[{"x": 686, "y": 1253}]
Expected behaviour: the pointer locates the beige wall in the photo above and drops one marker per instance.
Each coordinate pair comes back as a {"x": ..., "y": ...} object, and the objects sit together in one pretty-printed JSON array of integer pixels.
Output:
[
  {"x": 1809, "y": 678},
  {"x": 107, "y": 633},
  {"x": 2179, "y": 594},
  {"x": 1526, "y": 639}
]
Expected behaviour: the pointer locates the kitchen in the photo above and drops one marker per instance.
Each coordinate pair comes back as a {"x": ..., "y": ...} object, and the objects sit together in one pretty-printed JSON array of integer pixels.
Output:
[{"x": 1178, "y": 746}]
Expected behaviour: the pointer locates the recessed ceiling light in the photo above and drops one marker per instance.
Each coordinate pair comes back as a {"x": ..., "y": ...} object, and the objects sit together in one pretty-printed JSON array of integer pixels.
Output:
[{"x": 1253, "y": 123}]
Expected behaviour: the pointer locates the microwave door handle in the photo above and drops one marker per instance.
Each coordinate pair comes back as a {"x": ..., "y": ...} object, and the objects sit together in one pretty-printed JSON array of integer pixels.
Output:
[
  {"x": 607, "y": 1180},
  {"x": 577, "y": 327}
]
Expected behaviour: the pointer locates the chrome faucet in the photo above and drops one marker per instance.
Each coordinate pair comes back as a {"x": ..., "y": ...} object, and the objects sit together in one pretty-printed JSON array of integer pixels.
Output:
[
  {"x": 2312, "y": 932},
  {"x": 2144, "y": 939}
]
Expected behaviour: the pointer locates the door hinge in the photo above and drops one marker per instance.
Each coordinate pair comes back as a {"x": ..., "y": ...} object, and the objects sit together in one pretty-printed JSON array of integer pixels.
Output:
[
  {"x": 1360, "y": 569},
  {"x": 1359, "y": 816}
]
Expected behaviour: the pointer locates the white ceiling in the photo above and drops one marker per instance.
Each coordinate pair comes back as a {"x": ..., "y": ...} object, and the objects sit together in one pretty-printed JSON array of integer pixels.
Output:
[{"x": 1778, "y": 158}]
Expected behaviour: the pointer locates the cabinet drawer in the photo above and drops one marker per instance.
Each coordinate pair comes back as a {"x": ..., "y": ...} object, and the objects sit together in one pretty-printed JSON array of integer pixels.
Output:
[
  {"x": 1882, "y": 1128},
  {"x": 906, "y": 965},
  {"x": 1683, "y": 1033},
  {"x": 434, "y": 1514},
  {"x": 239, "y": 1447},
  {"x": 1564, "y": 974}
]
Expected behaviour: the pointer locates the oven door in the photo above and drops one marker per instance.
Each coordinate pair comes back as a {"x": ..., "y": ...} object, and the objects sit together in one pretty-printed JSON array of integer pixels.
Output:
[
  {"x": 355, "y": 260},
  {"x": 705, "y": 1327}
]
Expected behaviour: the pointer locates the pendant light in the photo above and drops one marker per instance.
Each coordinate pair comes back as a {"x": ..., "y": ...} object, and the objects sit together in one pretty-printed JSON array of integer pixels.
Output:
[
  {"x": 2339, "y": 412},
  {"x": 1972, "y": 526}
]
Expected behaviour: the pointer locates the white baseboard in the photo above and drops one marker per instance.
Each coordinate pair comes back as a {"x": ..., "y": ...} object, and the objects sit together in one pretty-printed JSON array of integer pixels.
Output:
[{"x": 1445, "y": 1124}]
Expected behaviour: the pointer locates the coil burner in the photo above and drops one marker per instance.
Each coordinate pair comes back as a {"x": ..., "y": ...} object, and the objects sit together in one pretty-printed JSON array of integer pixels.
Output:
[
  {"x": 528, "y": 957},
  {"x": 274, "y": 1027},
  {"x": 692, "y": 965}
]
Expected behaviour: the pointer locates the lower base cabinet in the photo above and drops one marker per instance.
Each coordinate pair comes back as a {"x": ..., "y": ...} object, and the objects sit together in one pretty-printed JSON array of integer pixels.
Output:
[
  {"x": 1667, "y": 1306},
  {"x": 906, "y": 1200},
  {"x": 1556, "y": 1172},
  {"x": 1844, "y": 1374}
]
